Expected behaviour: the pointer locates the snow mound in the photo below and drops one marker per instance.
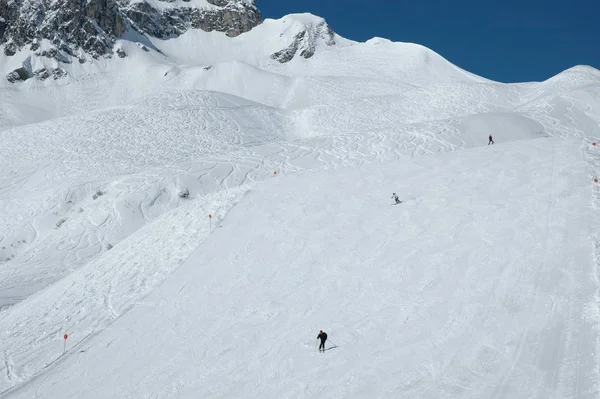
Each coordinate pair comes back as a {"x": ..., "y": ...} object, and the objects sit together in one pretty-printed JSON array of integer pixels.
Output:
[
  {"x": 406, "y": 62},
  {"x": 378, "y": 40},
  {"x": 571, "y": 79},
  {"x": 241, "y": 80},
  {"x": 509, "y": 126}
]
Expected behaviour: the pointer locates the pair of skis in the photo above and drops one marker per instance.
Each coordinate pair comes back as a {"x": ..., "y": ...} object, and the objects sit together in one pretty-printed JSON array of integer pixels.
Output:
[{"x": 326, "y": 349}]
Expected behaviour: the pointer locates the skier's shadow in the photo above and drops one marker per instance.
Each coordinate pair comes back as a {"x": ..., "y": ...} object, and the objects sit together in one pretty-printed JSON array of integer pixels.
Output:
[{"x": 331, "y": 347}]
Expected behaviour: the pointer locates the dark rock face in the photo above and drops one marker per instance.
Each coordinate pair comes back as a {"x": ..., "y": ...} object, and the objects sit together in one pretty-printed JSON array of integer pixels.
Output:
[
  {"x": 92, "y": 26},
  {"x": 68, "y": 24},
  {"x": 233, "y": 20},
  {"x": 19, "y": 74},
  {"x": 10, "y": 49},
  {"x": 45, "y": 73},
  {"x": 287, "y": 54}
]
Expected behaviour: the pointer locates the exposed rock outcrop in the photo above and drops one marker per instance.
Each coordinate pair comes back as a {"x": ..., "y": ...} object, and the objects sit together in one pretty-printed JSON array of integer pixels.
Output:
[
  {"x": 306, "y": 41},
  {"x": 92, "y": 26}
]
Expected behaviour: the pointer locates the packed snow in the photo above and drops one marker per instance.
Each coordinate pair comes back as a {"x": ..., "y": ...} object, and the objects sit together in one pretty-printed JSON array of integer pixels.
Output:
[{"x": 481, "y": 284}]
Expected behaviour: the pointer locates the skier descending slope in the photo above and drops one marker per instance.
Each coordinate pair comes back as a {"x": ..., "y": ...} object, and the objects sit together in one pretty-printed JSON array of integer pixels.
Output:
[
  {"x": 490, "y": 140},
  {"x": 395, "y": 197},
  {"x": 323, "y": 337}
]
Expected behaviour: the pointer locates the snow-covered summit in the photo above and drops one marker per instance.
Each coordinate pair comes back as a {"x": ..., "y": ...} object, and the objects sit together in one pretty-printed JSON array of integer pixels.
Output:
[
  {"x": 306, "y": 34},
  {"x": 378, "y": 40}
]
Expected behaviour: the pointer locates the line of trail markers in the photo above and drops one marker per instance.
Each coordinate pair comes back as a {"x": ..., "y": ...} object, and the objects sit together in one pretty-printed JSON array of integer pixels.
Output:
[{"x": 595, "y": 179}]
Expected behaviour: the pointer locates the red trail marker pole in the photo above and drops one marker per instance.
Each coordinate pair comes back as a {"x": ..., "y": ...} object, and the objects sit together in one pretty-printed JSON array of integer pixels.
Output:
[
  {"x": 65, "y": 346},
  {"x": 210, "y": 221}
]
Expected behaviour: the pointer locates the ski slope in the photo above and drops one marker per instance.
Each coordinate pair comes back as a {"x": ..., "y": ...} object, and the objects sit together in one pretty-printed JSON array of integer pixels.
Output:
[{"x": 480, "y": 284}]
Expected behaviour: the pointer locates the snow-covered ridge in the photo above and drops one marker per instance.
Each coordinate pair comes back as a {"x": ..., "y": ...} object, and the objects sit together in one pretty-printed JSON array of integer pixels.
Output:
[{"x": 310, "y": 33}]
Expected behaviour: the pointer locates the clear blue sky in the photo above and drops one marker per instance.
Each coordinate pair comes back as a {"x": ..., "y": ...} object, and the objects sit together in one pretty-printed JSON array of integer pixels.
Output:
[{"x": 503, "y": 40}]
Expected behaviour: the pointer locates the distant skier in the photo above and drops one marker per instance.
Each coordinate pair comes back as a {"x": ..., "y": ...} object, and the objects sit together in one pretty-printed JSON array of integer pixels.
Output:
[
  {"x": 395, "y": 197},
  {"x": 491, "y": 141},
  {"x": 323, "y": 337}
]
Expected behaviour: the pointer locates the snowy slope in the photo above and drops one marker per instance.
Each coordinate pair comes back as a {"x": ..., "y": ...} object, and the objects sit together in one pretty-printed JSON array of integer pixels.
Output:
[
  {"x": 419, "y": 300},
  {"x": 91, "y": 220},
  {"x": 142, "y": 155}
]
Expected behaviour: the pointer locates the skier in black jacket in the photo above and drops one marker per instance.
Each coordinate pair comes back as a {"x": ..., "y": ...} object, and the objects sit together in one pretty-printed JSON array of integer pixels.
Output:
[{"x": 323, "y": 337}]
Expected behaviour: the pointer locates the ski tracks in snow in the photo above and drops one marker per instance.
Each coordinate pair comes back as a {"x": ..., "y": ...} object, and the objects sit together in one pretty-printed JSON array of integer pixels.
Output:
[
  {"x": 91, "y": 298},
  {"x": 499, "y": 390},
  {"x": 592, "y": 311},
  {"x": 208, "y": 142}
]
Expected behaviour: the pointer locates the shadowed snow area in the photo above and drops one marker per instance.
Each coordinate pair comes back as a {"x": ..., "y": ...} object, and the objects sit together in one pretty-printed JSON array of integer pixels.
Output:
[{"x": 482, "y": 284}]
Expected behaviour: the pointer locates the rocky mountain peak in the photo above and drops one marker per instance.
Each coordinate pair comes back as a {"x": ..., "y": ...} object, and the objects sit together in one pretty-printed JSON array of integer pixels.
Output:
[
  {"x": 309, "y": 32},
  {"x": 84, "y": 30}
]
